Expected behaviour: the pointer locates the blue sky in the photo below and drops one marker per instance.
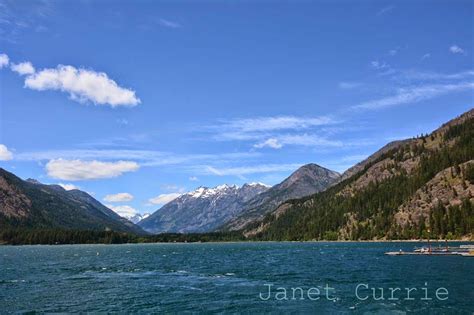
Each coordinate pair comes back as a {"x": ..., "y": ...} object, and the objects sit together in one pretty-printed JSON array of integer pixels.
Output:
[{"x": 137, "y": 102}]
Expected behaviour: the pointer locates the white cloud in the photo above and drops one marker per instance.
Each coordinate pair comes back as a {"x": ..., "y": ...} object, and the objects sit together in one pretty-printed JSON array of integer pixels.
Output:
[
  {"x": 426, "y": 56},
  {"x": 123, "y": 211},
  {"x": 261, "y": 128},
  {"x": 68, "y": 186},
  {"x": 309, "y": 140},
  {"x": 168, "y": 23},
  {"x": 120, "y": 197},
  {"x": 422, "y": 75},
  {"x": 163, "y": 198},
  {"x": 415, "y": 94},
  {"x": 276, "y": 123},
  {"x": 193, "y": 178},
  {"x": 146, "y": 157},
  {"x": 82, "y": 85},
  {"x": 455, "y": 49},
  {"x": 271, "y": 143},
  {"x": 244, "y": 170},
  {"x": 379, "y": 65},
  {"x": 86, "y": 170},
  {"x": 5, "y": 154},
  {"x": 23, "y": 68},
  {"x": 392, "y": 52},
  {"x": 4, "y": 60}
]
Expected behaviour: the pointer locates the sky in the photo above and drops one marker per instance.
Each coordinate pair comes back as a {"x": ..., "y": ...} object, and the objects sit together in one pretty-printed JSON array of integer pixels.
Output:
[{"x": 137, "y": 102}]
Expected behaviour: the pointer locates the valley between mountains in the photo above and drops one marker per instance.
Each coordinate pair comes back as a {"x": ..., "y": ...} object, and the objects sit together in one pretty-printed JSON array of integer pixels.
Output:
[{"x": 414, "y": 188}]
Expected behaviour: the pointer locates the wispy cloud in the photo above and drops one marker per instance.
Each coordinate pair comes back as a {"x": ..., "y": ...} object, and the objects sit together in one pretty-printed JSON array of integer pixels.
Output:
[
  {"x": 168, "y": 23},
  {"x": 429, "y": 75},
  {"x": 262, "y": 124},
  {"x": 379, "y": 65},
  {"x": 16, "y": 18},
  {"x": 120, "y": 197},
  {"x": 245, "y": 170},
  {"x": 414, "y": 94},
  {"x": 385, "y": 10},
  {"x": 272, "y": 131},
  {"x": 426, "y": 56}
]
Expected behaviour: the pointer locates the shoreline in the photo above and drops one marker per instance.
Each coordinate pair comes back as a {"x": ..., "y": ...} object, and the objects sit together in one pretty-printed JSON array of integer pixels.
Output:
[{"x": 243, "y": 242}]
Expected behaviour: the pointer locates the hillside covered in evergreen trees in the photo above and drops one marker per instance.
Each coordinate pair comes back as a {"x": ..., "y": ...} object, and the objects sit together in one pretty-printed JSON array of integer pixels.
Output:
[{"x": 419, "y": 188}]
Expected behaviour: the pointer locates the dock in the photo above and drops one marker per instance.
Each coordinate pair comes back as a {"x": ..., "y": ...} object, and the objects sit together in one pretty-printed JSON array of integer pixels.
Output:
[{"x": 433, "y": 253}]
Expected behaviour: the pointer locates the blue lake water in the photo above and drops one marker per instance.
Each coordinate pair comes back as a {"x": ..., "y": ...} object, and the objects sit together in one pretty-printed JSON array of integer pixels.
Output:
[{"x": 231, "y": 277}]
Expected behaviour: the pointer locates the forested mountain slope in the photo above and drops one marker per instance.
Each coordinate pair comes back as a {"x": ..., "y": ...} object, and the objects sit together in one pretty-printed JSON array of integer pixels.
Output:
[
  {"x": 30, "y": 204},
  {"x": 416, "y": 188}
]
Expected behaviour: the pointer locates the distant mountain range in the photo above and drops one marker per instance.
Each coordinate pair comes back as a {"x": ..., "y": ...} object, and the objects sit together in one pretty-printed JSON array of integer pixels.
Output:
[
  {"x": 202, "y": 210},
  {"x": 30, "y": 204},
  {"x": 420, "y": 187},
  {"x": 231, "y": 207}
]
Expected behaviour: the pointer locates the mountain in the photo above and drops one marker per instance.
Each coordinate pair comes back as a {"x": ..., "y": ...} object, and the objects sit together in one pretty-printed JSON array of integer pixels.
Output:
[
  {"x": 31, "y": 204},
  {"x": 137, "y": 217},
  {"x": 307, "y": 180},
  {"x": 201, "y": 210},
  {"x": 420, "y": 187}
]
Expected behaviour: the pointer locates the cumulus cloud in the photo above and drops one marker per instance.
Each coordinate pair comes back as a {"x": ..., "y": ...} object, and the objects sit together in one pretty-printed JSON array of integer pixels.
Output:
[
  {"x": 455, "y": 49},
  {"x": 4, "y": 60},
  {"x": 193, "y": 178},
  {"x": 68, "y": 186},
  {"x": 82, "y": 85},
  {"x": 163, "y": 198},
  {"x": 120, "y": 197},
  {"x": 123, "y": 211},
  {"x": 23, "y": 68},
  {"x": 5, "y": 154},
  {"x": 86, "y": 170},
  {"x": 271, "y": 143}
]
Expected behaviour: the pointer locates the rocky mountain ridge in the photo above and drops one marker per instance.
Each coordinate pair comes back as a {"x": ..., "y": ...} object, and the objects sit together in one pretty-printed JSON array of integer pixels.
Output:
[{"x": 201, "y": 210}]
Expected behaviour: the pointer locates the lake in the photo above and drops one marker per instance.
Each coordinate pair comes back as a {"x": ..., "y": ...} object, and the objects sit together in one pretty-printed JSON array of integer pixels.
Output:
[{"x": 233, "y": 277}]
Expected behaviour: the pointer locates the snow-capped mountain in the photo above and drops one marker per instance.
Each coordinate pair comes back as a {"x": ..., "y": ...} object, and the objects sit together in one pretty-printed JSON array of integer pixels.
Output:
[
  {"x": 202, "y": 210},
  {"x": 138, "y": 217}
]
